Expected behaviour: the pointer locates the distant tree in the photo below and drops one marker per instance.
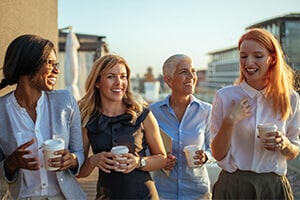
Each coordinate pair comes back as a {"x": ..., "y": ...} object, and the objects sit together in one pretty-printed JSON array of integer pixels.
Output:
[{"x": 149, "y": 77}]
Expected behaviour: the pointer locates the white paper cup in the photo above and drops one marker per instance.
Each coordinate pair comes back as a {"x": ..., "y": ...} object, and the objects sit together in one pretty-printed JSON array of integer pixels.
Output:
[
  {"x": 265, "y": 128},
  {"x": 118, "y": 150},
  {"x": 49, "y": 147},
  {"x": 190, "y": 152}
]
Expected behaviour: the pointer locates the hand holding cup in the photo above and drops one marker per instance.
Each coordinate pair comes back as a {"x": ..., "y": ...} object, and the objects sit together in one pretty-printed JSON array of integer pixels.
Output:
[
  {"x": 190, "y": 153},
  {"x": 266, "y": 137},
  {"x": 118, "y": 151},
  {"x": 49, "y": 147}
]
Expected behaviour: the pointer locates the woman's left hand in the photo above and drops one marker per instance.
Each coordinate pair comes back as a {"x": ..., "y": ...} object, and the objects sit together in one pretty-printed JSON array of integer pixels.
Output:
[
  {"x": 200, "y": 157},
  {"x": 66, "y": 161},
  {"x": 275, "y": 140},
  {"x": 132, "y": 162}
]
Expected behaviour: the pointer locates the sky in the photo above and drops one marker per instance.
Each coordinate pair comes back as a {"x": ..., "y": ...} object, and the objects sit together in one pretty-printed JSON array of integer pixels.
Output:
[{"x": 147, "y": 32}]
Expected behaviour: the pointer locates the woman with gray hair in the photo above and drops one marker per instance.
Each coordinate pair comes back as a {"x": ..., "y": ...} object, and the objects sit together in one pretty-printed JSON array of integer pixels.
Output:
[{"x": 186, "y": 119}]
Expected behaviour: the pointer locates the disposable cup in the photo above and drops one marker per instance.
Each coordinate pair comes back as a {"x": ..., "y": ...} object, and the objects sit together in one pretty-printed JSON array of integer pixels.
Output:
[
  {"x": 118, "y": 151},
  {"x": 266, "y": 128},
  {"x": 190, "y": 152},
  {"x": 49, "y": 147}
]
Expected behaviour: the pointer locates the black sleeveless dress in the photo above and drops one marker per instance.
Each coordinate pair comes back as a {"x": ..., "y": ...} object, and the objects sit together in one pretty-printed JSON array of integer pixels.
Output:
[{"x": 105, "y": 132}]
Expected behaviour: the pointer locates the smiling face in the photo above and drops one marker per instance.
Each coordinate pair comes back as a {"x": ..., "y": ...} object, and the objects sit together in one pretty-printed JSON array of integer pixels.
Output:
[
  {"x": 255, "y": 61},
  {"x": 113, "y": 84},
  {"x": 46, "y": 77},
  {"x": 184, "y": 79}
]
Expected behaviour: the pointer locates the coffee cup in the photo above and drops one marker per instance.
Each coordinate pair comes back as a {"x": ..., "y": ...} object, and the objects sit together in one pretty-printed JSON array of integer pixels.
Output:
[
  {"x": 190, "y": 152},
  {"x": 266, "y": 128},
  {"x": 118, "y": 151},
  {"x": 49, "y": 147}
]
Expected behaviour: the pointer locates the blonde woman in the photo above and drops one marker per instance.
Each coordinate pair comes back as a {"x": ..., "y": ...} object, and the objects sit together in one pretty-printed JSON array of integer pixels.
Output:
[
  {"x": 255, "y": 168},
  {"x": 111, "y": 116}
]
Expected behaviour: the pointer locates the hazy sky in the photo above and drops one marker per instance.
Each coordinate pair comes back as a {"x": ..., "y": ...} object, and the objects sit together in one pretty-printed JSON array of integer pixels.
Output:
[{"x": 146, "y": 32}]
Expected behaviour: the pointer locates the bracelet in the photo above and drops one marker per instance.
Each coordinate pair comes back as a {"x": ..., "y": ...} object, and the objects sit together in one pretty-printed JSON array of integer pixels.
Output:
[{"x": 75, "y": 158}]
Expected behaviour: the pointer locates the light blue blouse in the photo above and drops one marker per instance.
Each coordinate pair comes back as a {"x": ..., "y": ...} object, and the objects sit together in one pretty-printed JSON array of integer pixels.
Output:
[{"x": 184, "y": 182}]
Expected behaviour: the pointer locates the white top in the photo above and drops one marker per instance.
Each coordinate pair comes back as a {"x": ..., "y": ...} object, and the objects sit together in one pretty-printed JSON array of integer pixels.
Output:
[
  {"x": 246, "y": 151},
  {"x": 40, "y": 182}
]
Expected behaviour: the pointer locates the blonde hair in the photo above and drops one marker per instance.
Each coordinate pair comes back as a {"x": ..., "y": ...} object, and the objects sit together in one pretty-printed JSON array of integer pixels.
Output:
[
  {"x": 91, "y": 101},
  {"x": 281, "y": 75}
]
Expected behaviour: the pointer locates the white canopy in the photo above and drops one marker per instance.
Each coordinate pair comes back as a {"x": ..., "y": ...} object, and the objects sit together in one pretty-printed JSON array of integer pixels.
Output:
[{"x": 71, "y": 64}]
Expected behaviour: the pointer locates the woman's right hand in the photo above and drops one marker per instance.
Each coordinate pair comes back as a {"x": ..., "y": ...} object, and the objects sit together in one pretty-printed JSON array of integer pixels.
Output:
[
  {"x": 238, "y": 111},
  {"x": 21, "y": 158},
  {"x": 171, "y": 162},
  {"x": 103, "y": 161}
]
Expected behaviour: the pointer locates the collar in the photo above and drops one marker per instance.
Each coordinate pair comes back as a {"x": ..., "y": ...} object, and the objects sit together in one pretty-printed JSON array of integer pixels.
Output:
[
  {"x": 250, "y": 91},
  {"x": 166, "y": 101},
  {"x": 40, "y": 101}
]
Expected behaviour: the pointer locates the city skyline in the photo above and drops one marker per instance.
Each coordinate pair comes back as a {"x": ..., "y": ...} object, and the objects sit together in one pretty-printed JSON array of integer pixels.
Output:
[{"x": 145, "y": 33}]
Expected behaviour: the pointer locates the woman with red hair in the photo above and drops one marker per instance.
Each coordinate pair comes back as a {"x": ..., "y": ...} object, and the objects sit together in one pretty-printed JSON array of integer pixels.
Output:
[{"x": 253, "y": 167}]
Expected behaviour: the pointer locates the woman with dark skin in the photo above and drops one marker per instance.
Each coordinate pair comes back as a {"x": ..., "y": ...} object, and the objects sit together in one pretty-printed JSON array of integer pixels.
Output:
[{"x": 32, "y": 113}]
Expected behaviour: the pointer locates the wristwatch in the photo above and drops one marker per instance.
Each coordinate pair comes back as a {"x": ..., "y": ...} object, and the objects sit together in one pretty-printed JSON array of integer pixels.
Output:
[{"x": 142, "y": 163}]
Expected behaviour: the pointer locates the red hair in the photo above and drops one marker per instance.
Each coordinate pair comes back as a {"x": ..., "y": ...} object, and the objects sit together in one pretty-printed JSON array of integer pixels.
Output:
[{"x": 281, "y": 75}]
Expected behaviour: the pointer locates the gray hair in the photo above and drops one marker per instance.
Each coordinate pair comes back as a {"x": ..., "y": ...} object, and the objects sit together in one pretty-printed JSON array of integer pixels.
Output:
[{"x": 171, "y": 63}]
